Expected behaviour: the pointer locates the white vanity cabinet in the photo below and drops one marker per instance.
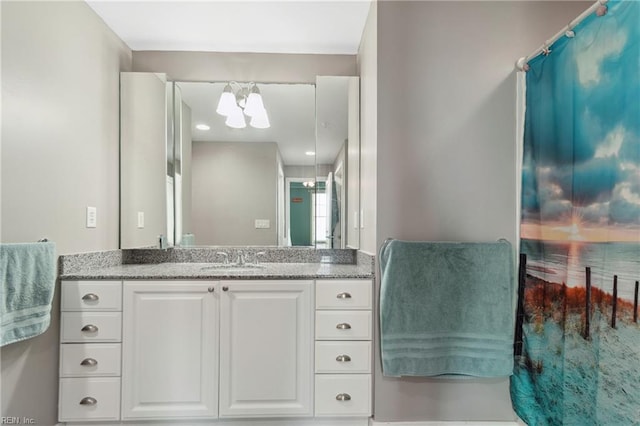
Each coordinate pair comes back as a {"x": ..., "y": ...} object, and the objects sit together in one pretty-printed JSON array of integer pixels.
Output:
[
  {"x": 170, "y": 350},
  {"x": 343, "y": 355},
  {"x": 174, "y": 351},
  {"x": 90, "y": 337},
  {"x": 266, "y": 348}
]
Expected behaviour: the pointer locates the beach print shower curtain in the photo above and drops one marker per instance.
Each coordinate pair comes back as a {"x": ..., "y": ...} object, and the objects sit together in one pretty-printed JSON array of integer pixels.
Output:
[{"x": 579, "y": 361}]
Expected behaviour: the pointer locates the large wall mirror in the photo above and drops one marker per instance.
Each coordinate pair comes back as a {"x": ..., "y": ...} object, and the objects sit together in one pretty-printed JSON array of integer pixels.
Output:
[{"x": 292, "y": 180}]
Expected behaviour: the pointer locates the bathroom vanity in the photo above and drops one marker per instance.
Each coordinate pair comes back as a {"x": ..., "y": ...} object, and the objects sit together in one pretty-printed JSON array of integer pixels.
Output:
[{"x": 285, "y": 343}]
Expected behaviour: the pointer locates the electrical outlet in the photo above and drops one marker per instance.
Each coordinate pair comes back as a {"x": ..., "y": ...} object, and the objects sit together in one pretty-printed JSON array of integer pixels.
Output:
[
  {"x": 92, "y": 217},
  {"x": 262, "y": 224},
  {"x": 140, "y": 220}
]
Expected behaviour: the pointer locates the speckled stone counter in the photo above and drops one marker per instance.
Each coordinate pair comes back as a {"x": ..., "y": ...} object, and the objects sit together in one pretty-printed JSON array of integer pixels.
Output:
[
  {"x": 167, "y": 271},
  {"x": 203, "y": 264}
]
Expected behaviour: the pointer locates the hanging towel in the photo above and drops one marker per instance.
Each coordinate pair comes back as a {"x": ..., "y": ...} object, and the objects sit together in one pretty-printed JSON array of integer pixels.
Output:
[
  {"x": 447, "y": 308},
  {"x": 28, "y": 275}
]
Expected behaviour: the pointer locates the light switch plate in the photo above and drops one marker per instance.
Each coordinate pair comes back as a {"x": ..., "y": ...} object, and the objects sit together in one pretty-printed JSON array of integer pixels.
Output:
[
  {"x": 140, "y": 220},
  {"x": 262, "y": 224},
  {"x": 92, "y": 217}
]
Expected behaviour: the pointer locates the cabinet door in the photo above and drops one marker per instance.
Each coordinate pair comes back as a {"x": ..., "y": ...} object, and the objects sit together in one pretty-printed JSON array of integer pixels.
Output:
[
  {"x": 266, "y": 343},
  {"x": 170, "y": 350}
]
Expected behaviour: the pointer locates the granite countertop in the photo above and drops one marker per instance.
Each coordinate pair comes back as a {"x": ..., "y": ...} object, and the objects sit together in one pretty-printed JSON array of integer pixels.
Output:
[{"x": 169, "y": 271}]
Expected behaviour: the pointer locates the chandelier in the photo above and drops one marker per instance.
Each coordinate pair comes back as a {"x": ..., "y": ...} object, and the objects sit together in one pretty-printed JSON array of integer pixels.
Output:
[{"x": 237, "y": 101}]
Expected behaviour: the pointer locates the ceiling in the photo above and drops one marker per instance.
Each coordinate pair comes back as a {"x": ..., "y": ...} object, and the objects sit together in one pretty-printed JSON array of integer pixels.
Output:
[
  {"x": 290, "y": 26},
  {"x": 263, "y": 26}
]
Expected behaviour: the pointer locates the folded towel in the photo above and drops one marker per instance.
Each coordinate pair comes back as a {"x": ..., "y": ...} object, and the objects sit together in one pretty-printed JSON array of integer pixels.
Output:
[
  {"x": 447, "y": 308},
  {"x": 28, "y": 275}
]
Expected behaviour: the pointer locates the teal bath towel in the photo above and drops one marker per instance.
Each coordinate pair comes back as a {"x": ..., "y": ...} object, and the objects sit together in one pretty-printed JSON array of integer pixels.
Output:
[
  {"x": 28, "y": 273},
  {"x": 447, "y": 308}
]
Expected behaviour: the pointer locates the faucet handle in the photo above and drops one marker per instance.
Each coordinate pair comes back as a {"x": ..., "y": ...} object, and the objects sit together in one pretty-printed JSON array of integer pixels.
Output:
[
  {"x": 225, "y": 256},
  {"x": 260, "y": 253}
]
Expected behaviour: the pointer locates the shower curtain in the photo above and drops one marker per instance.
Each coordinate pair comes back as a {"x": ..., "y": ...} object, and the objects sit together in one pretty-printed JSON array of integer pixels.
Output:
[{"x": 578, "y": 362}]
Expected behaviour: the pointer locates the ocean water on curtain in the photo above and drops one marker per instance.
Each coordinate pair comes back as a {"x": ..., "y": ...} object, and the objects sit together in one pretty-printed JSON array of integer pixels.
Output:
[
  {"x": 580, "y": 358},
  {"x": 565, "y": 262}
]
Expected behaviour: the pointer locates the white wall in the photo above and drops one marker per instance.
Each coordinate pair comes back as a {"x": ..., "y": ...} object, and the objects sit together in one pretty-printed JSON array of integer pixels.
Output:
[
  {"x": 261, "y": 67},
  {"x": 233, "y": 184},
  {"x": 446, "y": 153},
  {"x": 60, "y": 73}
]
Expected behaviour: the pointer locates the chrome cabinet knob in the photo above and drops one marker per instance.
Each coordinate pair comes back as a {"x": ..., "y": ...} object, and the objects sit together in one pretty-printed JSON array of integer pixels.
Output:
[
  {"x": 343, "y": 358},
  {"x": 343, "y": 326},
  {"x": 90, "y": 297},
  {"x": 343, "y": 397},
  {"x": 90, "y": 328},
  {"x": 87, "y": 400},
  {"x": 89, "y": 362},
  {"x": 344, "y": 295}
]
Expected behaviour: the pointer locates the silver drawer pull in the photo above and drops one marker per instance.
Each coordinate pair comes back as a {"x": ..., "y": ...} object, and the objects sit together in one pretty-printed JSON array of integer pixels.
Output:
[
  {"x": 90, "y": 328},
  {"x": 90, "y": 297},
  {"x": 89, "y": 362},
  {"x": 343, "y": 358},
  {"x": 344, "y": 295},
  {"x": 87, "y": 400},
  {"x": 343, "y": 326},
  {"x": 343, "y": 397}
]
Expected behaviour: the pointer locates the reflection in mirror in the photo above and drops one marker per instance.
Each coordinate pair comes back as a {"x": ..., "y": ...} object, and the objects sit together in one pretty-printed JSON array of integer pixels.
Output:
[
  {"x": 234, "y": 183},
  {"x": 337, "y": 162}
]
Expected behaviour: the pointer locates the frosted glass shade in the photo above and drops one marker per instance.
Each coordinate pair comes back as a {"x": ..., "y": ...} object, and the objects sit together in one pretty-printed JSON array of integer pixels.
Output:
[
  {"x": 254, "y": 103},
  {"x": 227, "y": 102},
  {"x": 260, "y": 120},
  {"x": 235, "y": 119}
]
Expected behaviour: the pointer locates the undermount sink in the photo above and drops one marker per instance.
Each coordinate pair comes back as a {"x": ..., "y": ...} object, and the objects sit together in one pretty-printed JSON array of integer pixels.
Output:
[{"x": 234, "y": 266}]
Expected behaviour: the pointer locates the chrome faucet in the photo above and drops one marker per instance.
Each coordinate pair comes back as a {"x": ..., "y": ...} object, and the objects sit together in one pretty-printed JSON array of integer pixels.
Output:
[
  {"x": 225, "y": 256},
  {"x": 240, "y": 261},
  {"x": 258, "y": 254}
]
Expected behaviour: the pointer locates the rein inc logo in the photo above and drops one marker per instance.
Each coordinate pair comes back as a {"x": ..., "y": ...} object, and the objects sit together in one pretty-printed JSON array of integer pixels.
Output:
[{"x": 17, "y": 420}]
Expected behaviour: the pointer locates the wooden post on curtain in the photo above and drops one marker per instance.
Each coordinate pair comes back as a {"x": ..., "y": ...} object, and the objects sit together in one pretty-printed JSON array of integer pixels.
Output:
[
  {"x": 614, "y": 306},
  {"x": 587, "y": 311},
  {"x": 517, "y": 345},
  {"x": 635, "y": 304}
]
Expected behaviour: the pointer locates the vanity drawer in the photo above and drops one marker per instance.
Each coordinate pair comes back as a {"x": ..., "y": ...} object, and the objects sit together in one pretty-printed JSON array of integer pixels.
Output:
[
  {"x": 343, "y": 325},
  {"x": 90, "y": 359},
  {"x": 343, "y": 357},
  {"x": 95, "y": 398},
  {"x": 343, "y": 395},
  {"x": 91, "y": 296},
  {"x": 343, "y": 294},
  {"x": 77, "y": 327}
]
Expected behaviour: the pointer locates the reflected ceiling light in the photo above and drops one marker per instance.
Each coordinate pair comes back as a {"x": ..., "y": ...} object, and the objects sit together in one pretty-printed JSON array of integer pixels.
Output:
[
  {"x": 310, "y": 153},
  {"x": 238, "y": 100},
  {"x": 202, "y": 127},
  {"x": 309, "y": 184}
]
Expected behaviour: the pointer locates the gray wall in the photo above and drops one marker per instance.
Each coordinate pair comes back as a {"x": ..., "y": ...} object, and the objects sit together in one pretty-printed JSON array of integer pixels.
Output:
[
  {"x": 60, "y": 73},
  {"x": 262, "y": 67},
  {"x": 446, "y": 151},
  {"x": 233, "y": 184}
]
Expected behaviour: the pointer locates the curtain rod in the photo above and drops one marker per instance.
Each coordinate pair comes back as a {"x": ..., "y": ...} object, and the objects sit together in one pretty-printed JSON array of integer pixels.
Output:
[{"x": 598, "y": 7}]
